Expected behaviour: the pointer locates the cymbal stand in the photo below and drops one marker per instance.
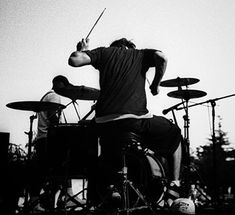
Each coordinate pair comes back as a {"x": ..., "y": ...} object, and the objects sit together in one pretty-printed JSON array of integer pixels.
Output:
[
  {"x": 185, "y": 138},
  {"x": 89, "y": 113},
  {"x": 186, "y": 143},
  {"x": 74, "y": 105},
  {"x": 186, "y": 147},
  {"x": 30, "y": 140},
  {"x": 127, "y": 185}
]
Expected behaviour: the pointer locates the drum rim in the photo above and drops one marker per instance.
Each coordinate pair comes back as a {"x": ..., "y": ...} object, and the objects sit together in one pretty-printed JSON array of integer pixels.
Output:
[{"x": 142, "y": 156}]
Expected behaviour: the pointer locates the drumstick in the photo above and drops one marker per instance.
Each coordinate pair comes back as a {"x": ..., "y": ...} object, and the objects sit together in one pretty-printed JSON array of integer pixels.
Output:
[
  {"x": 95, "y": 24},
  {"x": 148, "y": 81}
]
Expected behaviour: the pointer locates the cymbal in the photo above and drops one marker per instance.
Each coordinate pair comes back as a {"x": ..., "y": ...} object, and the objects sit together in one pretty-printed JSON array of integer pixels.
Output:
[
  {"x": 78, "y": 92},
  {"x": 187, "y": 94},
  {"x": 178, "y": 82},
  {"x": 36, "y": 106}
]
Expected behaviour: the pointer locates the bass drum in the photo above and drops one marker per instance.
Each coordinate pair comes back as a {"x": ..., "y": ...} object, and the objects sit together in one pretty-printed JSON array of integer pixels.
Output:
[{"x": 148, "y": 176}]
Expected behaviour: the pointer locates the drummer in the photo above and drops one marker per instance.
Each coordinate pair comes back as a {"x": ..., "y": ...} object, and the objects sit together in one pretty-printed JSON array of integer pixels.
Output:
[
  {"x": 46, "y": 119},
  {"x": 122, "y": 101}
]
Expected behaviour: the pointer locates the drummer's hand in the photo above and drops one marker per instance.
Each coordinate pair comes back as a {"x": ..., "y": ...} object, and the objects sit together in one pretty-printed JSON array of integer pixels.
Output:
[
  {"x": 154, "y": 90},
  {"x": 83, "y": 45}
]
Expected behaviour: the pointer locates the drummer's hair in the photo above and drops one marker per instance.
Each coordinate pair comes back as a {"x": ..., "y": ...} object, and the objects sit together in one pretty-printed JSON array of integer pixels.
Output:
[
  {"x": 60, "y": 78},
  {"x": 123, "y": 42}
]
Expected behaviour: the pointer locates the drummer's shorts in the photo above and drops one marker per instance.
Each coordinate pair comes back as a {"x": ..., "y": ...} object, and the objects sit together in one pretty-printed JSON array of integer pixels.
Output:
[{"x": 159, "y": 134}]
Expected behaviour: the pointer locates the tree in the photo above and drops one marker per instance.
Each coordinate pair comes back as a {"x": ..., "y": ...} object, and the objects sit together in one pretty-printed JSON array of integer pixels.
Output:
[{"x": 223, "y": 176}]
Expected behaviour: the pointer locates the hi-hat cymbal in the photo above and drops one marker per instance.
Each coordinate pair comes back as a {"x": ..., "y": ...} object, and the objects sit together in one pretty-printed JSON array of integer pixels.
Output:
[
  {"x": 78, "y": 92},
  {"x": 36, "y": 106},
  {"x": 187, "y": 94},
  {"x": 178, "y": 82}
]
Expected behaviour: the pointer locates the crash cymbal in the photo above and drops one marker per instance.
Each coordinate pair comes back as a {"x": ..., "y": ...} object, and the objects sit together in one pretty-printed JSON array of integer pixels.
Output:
[
  {"x": 178, "y": 82},
  {"x": 78, "y": 92},
  {"x": 187, "y": 94},
  {"x": 36, "y": 106}
]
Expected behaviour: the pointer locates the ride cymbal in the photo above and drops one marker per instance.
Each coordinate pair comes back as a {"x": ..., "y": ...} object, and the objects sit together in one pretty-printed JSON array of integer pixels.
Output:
[
  {"x": 187, "y": 94},
  {"x": 178, "y": 82},
  {"x": 36, "y": 106}
]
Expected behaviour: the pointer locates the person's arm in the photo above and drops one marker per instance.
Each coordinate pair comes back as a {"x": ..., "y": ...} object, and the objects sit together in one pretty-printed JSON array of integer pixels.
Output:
[
  {"x": 53, "y": 115},
  {"x": 80, "y": 58},
  {"x": 160, "y": 62}
]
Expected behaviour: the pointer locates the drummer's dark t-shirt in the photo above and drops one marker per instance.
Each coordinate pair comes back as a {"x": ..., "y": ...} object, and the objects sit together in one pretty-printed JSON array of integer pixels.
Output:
[{"x": 122, "y": 79}]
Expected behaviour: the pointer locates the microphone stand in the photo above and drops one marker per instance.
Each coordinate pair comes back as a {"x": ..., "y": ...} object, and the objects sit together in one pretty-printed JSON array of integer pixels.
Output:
[{"x": 213, "y": 104}]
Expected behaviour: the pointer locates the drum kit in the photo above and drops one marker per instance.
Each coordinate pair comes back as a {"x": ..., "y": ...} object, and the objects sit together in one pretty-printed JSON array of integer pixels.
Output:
[{"x": 86, "y": 93}]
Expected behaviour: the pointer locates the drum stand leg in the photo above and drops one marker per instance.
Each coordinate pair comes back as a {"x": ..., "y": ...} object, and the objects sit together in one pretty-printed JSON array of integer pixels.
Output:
[{"x": 127, "y": 209}]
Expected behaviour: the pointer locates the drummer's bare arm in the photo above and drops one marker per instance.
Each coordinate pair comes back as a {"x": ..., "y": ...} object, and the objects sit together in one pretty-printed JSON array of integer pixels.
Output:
[
  {"x": 79, "y": 58},
  {"x": 160, "y": 62}
]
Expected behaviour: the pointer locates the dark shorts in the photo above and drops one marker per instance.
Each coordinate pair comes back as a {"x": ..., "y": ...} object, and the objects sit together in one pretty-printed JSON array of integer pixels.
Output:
[{"x": 159, "y": 134}]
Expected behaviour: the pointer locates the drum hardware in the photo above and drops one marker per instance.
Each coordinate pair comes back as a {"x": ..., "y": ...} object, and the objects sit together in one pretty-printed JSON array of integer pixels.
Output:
[
  {"x": 35, "y": 106},
  {"x": 185, "y": 95},
  {"x": 213, "y": 104},
  {"x": 128, "y": 184},
  {"x": 89, "y": 113},
  {"x": 75, "y": 105},
  {"x": 141, "y": 179},
  {"x": 185, "y": 139}
]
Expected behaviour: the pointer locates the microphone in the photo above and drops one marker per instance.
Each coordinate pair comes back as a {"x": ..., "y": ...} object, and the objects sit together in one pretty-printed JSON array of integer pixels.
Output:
[{"x": 165, "y": 111}]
